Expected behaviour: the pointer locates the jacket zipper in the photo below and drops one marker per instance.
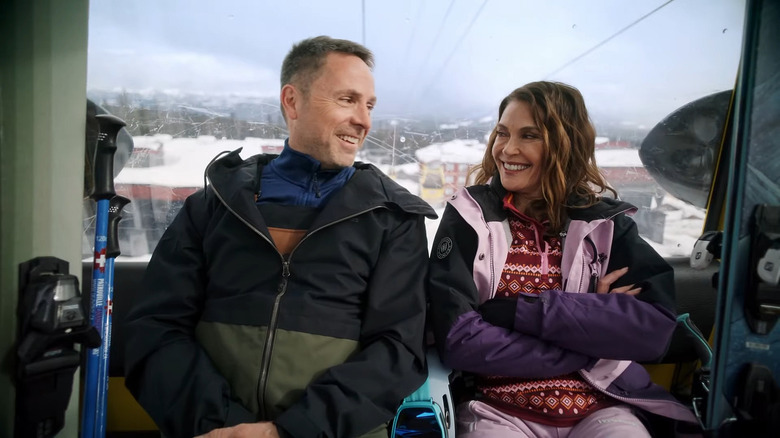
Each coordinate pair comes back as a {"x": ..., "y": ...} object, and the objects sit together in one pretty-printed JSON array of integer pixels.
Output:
[
  {"x": 637, "y": 401},
  {"x": 271, "y": 332},
  {"x": 280, "y": 291},
  {"x": 594, "y": 274},
  {"x": 562, "y": 235},
  {"x": 316, "y": 185},
  {"x": 492, "y": 262},
  {"x": 604, "y": 390},
  {"x": 269, "y": 339}
]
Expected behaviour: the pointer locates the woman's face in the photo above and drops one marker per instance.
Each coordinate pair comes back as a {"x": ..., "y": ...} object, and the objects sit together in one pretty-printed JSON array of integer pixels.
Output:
[{"x": 519, "y": 151}]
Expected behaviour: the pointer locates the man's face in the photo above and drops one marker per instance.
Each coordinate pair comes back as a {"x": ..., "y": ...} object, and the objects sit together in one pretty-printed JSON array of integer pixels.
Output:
[{"x": 332, "y": 120}]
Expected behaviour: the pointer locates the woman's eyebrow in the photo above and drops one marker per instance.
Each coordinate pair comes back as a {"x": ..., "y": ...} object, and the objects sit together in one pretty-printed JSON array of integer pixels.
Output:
[{"x": 526, "y": 128}]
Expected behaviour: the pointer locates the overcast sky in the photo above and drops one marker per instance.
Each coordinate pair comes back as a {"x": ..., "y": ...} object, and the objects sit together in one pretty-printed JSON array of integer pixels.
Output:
[{"x": 433, "y": 56}]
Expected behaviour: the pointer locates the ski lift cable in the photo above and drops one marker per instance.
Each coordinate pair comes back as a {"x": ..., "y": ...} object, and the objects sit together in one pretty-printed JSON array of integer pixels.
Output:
[
  {"x": 399, "y": 154},
  {"x": 435, "y": 77},
  {"x": 585, "y": 53},
  {"x": 375, "y": 141},
  {"x": 413, "y": 89},
  {"x": 420, "y": 7}
]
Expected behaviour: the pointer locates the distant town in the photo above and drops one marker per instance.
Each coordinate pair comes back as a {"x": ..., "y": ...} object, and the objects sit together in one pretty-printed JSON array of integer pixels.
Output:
[
  {"x": 393, "y": 138},
  {"x": 175, "y": 136}
]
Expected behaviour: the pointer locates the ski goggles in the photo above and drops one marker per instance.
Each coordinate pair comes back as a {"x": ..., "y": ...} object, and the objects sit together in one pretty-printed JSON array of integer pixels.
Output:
[{"x": 420, "y": 419}]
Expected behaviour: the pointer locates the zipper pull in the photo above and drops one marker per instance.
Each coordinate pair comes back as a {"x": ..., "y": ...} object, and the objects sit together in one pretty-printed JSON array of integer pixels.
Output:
[
  {"x": 286, "y": 269},
  {"x": 594, "y": 279},
  {"x": 316, "y": 186}
]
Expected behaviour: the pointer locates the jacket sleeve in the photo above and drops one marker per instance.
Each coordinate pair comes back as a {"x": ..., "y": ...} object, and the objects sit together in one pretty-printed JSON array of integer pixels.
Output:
[
  {"x": 166, "y": 369},
  {"x": 611, "y": 326},
  {"x": 355, "y": 397},
  {"x": 467, "y": 342}
]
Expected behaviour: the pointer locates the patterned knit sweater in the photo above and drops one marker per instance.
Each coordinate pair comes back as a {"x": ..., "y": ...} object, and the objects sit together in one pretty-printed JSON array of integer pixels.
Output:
[{"x": 533, "y": 265}]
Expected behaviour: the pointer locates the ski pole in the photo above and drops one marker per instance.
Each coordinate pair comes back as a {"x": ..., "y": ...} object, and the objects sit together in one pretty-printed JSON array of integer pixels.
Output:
[
  {"x": 102, "y": 192},
  {"x": 115, "y": 206}
]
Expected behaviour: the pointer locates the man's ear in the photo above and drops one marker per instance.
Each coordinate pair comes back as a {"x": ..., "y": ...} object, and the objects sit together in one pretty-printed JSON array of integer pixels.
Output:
[{"x": 291, "y": 99}]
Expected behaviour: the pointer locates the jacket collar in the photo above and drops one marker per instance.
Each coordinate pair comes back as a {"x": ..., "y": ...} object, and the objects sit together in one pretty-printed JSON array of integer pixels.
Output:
[
  {"x": 236, "y": 181},
  {"x": 605, "y": 208},
  {"x": 299, "y": 168}
]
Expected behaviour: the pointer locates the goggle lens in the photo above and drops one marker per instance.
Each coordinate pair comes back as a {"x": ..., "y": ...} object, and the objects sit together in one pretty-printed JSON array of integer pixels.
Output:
[{"x": 419, "y": 422}]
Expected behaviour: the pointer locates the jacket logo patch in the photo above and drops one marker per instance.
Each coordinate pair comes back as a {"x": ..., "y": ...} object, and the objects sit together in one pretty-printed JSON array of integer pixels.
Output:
[{"x": 444, "y": 248}]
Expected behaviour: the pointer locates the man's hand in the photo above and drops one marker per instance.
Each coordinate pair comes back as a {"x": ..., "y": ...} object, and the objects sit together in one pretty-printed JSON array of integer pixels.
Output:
[
  {"x": 606, "y": 281},
  {"x": 245, "y": 430}
]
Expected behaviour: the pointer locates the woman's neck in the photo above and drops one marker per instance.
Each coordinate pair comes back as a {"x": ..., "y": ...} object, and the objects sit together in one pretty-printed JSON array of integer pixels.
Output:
[{"x": 522, "y": 203}]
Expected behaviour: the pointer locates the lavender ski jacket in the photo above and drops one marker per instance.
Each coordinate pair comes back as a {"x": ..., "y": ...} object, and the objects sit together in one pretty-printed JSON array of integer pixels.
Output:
[{"x": 601, "y": 336}]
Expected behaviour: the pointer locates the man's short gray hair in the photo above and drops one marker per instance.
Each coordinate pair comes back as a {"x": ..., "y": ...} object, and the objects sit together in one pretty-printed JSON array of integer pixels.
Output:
[{"x": 305, "y": 59}]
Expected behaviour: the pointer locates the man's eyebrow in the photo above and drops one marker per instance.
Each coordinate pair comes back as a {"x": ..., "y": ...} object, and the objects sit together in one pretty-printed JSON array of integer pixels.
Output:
[{"x": 353, "y": 92}]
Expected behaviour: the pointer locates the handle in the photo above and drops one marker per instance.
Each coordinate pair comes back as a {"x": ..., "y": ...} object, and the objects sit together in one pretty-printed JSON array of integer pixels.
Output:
[
  {"x": 115, "y": 206},
  {"x": 109, "y": 127}
]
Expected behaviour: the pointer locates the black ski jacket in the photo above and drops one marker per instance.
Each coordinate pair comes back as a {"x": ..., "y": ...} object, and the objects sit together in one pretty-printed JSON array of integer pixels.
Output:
[{"x": 325, "y": 342}]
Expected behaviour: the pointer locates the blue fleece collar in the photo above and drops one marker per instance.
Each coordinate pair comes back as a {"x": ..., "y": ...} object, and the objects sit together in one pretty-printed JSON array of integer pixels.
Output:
[{"x": 295, "y": 178}]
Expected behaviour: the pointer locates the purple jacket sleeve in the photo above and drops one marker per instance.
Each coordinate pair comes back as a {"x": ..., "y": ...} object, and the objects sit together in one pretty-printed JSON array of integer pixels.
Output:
[
  {"x": 609, "y": 326},
  {"x": 474, "y": 345},
  {"x": 465, "y": 341}
]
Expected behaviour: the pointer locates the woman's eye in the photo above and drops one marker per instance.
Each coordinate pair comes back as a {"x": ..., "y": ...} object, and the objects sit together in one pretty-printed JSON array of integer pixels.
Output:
[{"x": 501, "y": 134}]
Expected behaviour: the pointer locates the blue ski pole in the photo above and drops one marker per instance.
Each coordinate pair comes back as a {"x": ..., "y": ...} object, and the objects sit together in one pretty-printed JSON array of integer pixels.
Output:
[
  {"x": 103, "y": 191},
  {"x": 115, "y": 206}
]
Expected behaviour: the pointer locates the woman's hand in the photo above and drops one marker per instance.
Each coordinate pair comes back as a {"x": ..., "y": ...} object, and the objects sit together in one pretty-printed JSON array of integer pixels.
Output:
[
  {"x": 499, "y": 312},
  {"x": 606, "y": 281}
]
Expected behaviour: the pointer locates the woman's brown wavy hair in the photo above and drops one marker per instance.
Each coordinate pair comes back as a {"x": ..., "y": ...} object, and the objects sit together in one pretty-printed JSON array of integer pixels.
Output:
[{"x": 569, "y": 164}]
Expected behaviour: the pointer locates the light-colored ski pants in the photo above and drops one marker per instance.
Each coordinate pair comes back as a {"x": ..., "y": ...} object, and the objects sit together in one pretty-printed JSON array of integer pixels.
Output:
[{"x": 479, "y": 420}]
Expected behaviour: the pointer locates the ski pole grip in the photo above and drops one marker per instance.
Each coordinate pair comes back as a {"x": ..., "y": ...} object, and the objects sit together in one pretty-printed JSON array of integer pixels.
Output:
[
  {"x": 109, "y": 127},
  {"x": 115, "y": 206}
]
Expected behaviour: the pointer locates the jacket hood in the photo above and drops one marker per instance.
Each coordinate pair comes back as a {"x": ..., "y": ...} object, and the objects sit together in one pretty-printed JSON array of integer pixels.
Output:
[{"x": 233, "y": 177}]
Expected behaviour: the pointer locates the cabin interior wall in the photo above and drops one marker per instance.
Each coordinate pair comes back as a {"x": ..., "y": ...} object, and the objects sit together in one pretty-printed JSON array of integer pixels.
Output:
[{"x": 43, "y": 75}]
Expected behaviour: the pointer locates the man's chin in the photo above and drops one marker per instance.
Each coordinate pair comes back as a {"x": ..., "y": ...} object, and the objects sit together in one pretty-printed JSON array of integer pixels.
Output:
[
  {"x": 347, "y": 163},
  {"x": 339, "y": 162},
  {"x": 347, "y": 159}
]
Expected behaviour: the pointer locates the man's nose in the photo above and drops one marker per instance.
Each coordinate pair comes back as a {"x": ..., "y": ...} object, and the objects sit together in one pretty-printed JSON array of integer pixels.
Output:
[{"x": 362, "y": 117}]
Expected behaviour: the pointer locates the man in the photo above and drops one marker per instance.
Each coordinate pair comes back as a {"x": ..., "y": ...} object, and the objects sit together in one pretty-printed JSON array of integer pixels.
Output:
[{"x": 287, "y": 297}]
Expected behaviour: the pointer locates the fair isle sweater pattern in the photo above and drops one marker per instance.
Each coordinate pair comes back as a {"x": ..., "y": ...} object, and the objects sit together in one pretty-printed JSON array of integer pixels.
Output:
[{"x": 533, "y": 265}]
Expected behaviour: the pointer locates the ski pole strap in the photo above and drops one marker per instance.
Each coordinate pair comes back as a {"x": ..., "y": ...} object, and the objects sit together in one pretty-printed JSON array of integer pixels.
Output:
[
  {"x": 423, "y": 393},
  {"x": 700, "y": 344}
]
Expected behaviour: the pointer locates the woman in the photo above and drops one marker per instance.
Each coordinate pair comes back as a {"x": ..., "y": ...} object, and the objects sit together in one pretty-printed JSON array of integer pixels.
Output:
[{"x": 543, "y": 290}]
